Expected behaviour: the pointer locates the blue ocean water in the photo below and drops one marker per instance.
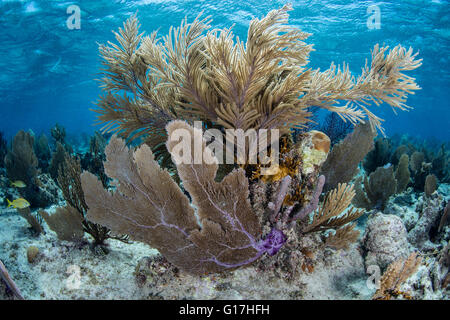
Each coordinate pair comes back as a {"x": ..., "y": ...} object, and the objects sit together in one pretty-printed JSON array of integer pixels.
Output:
[{"x": 48, "y": 71}]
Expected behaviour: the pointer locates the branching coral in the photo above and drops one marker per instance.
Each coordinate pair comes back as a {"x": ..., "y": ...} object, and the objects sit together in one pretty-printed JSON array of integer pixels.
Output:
[
  {"x": 43, "y": 153},
  {"x": 22, "y": 164},
  {"x": 70, "y": 222},
  {"x": 58, "y": 133},
  {"x": 328, "y": 216},
  {"x": 21, "y": 161},
  {"x": 195, "y": 73},
  {"x": 212, "y": 219},
  {"x": 378, "y": 187},
  {"x": 379, "y": 156},
  {"x": 335, "y": 128},
  {"x": 342, "y": 162},
  {"x": 150, "y": 207},
  {"x": 222, "y": 234},
  {"x": 92, "y": 161},
  {"x": 395, "y": 275},
  {"x": 419, "y": 169},
  {"x": 57, "y": 160}
]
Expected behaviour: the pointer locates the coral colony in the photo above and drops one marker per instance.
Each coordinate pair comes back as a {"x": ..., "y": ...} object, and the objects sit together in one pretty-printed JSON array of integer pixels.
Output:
[
  {"x": 208, "y": 155},
  {"x": 199, "y": 74}
]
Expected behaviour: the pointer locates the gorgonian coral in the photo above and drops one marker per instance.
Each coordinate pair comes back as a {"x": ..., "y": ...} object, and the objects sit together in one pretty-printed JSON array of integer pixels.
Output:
[
  {"x": 208, "y": 216},
  {"x": 219, "y": 230},
  {"x": 195, "y": 73},
  {"x": 150, "y": 206}
]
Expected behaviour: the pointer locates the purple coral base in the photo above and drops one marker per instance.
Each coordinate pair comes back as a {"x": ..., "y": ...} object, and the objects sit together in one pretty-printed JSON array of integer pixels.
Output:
[{"x": 273, "y": 242}]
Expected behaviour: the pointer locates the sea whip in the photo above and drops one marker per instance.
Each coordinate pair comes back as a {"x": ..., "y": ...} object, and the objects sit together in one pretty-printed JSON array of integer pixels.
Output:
[{"x": 9, "y": 282}]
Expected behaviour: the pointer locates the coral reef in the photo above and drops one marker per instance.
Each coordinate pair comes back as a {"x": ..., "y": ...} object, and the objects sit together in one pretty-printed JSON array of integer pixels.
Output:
[
  {"x": 150, "y": 207},
  {"x": 335, "y": 128},
  {"x": 58, "y": 134},
  {"x": 440, "y": 163},
  {"x": 205, "y": 75},
  {"x": 342, "y": 163},
  {"x": 379, "y": 156},
  {"x": 407, "y": 167},
  {"x": 396, "y": 274},
  {"x": 70, "y": 222},
  {"x": 209, "y": 230},
  {"x": 20, "y": 161},
  {"x": 430, "y": 185},
  {"x": 161, "y": 215},
  {"x": 3, "y": 149},
  {"x": 415, "y": 164},
  {"x": 402, "y": 174},
  {"x": 430, "y": 209},
  {"x": 22, "y": 164},
  {"x": 43, "y": 152},
  {"x": 337, "y": 276},
  {"x": 385, "y": 240},
  {"x": 196, "y": 74},
  {"x": 92, "y": 160},
  {"x": 378, "y": 187},
  {"x": 58, "y": 157}
]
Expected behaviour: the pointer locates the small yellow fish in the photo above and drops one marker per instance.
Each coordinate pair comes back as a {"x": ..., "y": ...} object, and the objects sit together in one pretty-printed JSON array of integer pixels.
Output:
[
  {"x": 18, "y": 184},
  {"x": 20, "y": 203}
]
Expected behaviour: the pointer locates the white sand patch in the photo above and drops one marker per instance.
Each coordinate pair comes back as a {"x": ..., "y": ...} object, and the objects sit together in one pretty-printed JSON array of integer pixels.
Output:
[{"x": 100, "y": 276}]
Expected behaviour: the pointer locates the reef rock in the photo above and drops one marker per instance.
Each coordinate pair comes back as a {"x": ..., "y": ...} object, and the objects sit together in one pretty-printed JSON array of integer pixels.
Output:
[
  {"x": 336, "y": 275},
  {"x": 408, "y": 214},
  {"x": 385, "y": 240},
  {"x": 313, "y": 150},
  {"x": 48, "y": 192},
  {"x": 422, "y": 284},
  {"x": 429, "y": 210}
]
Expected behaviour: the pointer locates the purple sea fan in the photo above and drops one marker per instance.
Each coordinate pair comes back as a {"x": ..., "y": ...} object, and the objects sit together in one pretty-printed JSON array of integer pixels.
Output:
[{"x": 223, "y": 232}]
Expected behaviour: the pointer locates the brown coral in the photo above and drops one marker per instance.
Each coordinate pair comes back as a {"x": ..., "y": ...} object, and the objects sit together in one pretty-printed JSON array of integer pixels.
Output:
[
  {"x": 378, "y": 187},
  {"x": 342, "y": 163},
  {"x": 195, "y": 73},
  {"x": 21, "y": 162},
  {"x": 395, "y": 275},
  {"x": 402, "y": 174},
  {"x": 328, "y": 216},
  {"x": 150, "y": 207},
  {"x": 66, "y": 222}
]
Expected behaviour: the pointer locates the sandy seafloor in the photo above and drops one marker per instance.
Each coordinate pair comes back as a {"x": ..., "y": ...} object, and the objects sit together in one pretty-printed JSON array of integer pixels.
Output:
[
  {"x": 337, "y": 274},
  {"x": 102, "y": 276}
]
